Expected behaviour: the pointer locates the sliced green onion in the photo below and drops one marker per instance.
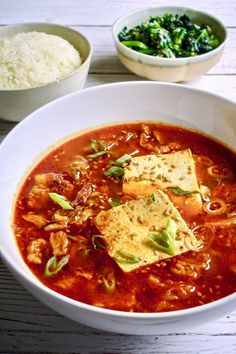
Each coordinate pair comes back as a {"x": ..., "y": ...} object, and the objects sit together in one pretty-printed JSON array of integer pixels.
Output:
[
  {"x": 61, "y": 200},
  {"x": 76, "y": 239},
  {"x": 109, "y": 282},
  {"x": 99, "y": 153},
  {"x": 115, "y": 202},
  {"x": 135, "y": 44},
  {"x": 97, "y": 145},
  {"x": 153, "y": 199},
  {"x": 53, "y": 266},
  {"x": 179, "y": 191},
  {"x": 98, "y": 242},
  {"x": 122, "y": 159},
  {"x": 115, "y": 171},
  {"x": 165, "y": 240},
  {"x": 86, "y": 252},
  {"x": 124, "y": 257}
]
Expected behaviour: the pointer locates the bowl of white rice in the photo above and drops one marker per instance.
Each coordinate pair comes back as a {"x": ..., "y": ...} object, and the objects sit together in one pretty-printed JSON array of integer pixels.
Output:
[{"x": 39, "y": 62}]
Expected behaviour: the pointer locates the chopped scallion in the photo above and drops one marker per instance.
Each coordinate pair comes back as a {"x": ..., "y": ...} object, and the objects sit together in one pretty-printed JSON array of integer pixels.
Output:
[
  {"x": 124, "y": 257},
  {"x": 61, "y": 200},
  {"x": 109, "y": 282},
  {"x": 114, "y": 202},
  {"x": 165, "y": 240},
  {"x": 54, "y": 266},
  {"x": 98, "y": 154},
  {"x": 122, "y": 159},
  {"x": 86, "y": 252},
  {"x": 114, "y": 171},
  {"x": 97, "y": 145},
  {"x": 177, "y": 190},
  {"x": 153, "y": 199}
]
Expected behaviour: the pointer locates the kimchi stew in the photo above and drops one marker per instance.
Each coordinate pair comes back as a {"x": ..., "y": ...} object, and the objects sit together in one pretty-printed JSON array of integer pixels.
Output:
[{"x": 137, "y": 217}]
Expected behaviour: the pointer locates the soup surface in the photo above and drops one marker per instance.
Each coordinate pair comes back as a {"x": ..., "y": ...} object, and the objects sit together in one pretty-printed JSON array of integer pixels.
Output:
[{"x": 57, "y": 227}]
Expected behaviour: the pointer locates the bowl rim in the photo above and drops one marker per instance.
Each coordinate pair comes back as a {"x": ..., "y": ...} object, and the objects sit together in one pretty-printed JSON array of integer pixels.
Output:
[
  {"x": 40, "y": 287},
  {"x": 53, "y": 25},
  {"x": 160, "y": 60}
]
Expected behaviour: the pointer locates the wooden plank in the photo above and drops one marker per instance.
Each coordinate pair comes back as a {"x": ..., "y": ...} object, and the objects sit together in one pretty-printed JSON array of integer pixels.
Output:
[
  {"x": 101, "y": 12},
  {"x": 31, "y": 342}
]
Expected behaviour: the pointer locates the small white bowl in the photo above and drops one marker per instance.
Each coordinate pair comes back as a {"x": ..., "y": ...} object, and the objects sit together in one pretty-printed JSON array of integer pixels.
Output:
[
  {"x": 130, "y": 101},
  {"x": 17, "y": 104},
  {"x": 168, "y": 69}
]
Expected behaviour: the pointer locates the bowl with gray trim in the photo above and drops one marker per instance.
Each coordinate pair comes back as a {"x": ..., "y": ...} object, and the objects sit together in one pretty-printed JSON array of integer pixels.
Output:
[
  {"x": 168, "y": 69},
  {"x": 18, "y": 103}
]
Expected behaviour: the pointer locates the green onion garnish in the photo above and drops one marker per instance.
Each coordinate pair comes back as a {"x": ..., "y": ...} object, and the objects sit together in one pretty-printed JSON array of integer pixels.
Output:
[
  {"x": 124, "y": 257},
  {"x": 76, "y": 239},
  {"x": 54, "y": 266},
  {"x": 86, "y": 252},
  {"x": 114, "y": 171},
  {"x": 109, "y": 282},
  {"x": 97, "y": 145},
  {"x": 99, "y": 153},
  {"x": 153, "y": 199},
  {"x": 122, "y": 159},
  {"x": 165, "y": 240},
  {"x": 61, "y": 200},
  {"x": 179, "y": 191},
  {"x": 114, "y": 202}
]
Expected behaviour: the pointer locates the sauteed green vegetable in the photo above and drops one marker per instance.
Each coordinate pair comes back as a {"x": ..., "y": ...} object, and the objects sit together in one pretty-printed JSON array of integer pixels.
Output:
[{"x": 170, "y": 36}]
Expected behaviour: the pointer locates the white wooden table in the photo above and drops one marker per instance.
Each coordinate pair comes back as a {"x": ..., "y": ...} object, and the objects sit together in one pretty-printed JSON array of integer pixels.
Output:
[{"x": 26, "y": 325}]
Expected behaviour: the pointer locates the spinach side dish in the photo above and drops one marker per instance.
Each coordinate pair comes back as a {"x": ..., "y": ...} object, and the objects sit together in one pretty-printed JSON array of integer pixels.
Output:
[
  {"x": 170, "y": 36},
  {"x": 137, "y": 217}
]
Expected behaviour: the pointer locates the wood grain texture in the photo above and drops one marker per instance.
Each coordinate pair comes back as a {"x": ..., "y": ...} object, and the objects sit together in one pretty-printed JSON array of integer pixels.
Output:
[
  {"x": 100, "y": 12},
  {"x": 28, "y": 326}
]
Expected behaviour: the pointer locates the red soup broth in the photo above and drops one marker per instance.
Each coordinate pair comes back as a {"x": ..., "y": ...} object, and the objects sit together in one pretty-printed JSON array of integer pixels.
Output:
[{"x": 90, "y": 275}]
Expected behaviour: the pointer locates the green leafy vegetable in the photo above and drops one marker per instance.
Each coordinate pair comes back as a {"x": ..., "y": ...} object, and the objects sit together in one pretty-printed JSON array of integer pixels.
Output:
[
  {"x": 122, "y": 159},
  {"x": 153, "y": 199},
  {"x": 98, "y": 154},
  {"x": 165, "y": 240},
  {"x": 170, "y": 36},
  {"x": 109, "y": 282},
  {"x": 54, "y": 266},
  {"x": 114, "y": 202},
  {"x": 179, "y": 191},
  {"x": 114, "y": 171},
  {"x": 124, "y": 257},
  {"x": 135, "y": 44},
  {"x": 98, "y": 242},
  {"x": 61, "y": 200}
]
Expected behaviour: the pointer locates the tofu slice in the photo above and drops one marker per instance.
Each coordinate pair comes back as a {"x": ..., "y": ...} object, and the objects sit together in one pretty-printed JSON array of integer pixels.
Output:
[
  {"x": 145, "y": 174},
  {"x": 125, "y": 228}
]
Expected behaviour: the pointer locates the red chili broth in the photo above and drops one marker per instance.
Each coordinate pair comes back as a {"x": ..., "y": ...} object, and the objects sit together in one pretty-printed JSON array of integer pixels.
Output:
[{"x": 135, "y": 291}]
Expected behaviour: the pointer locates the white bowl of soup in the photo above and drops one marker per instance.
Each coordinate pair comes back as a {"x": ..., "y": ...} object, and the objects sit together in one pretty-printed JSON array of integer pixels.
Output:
[{"x": 118, "y": 209}]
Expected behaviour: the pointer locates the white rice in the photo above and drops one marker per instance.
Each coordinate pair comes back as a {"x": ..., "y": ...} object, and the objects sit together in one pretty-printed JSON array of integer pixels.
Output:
[{"x": 35, "y": 58}]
